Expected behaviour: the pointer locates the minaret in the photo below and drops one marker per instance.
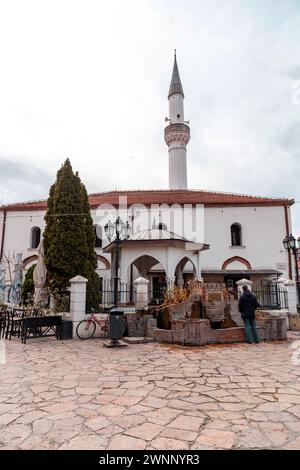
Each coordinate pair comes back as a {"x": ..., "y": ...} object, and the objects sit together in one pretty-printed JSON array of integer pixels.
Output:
[{"x": 177, "y": 133}]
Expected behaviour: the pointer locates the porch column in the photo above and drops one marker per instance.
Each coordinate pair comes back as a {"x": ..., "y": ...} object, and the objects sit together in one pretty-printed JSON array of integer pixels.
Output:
[
  {"x": 198, "y": 265},
  {"x": 179, "y": 276},
  {"x": 180, "y": 281},
  {"x": 77, "y": 300},
  {"x": 170, "y": 280},
  {"x": 124, "y": 290}
]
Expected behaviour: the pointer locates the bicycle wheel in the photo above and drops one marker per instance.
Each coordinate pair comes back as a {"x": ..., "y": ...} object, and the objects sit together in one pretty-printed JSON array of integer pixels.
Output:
[{"x": 85, "y": 329}]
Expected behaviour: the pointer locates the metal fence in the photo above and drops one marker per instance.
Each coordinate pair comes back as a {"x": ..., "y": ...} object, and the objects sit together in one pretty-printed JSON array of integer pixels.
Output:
[
  {"x": 126, "y": 295},
  {"x": 271, "y": 295}
]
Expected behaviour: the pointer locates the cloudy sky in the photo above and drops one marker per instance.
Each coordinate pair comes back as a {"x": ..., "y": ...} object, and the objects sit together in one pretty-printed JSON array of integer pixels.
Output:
[{"x": 88, "y": 80}]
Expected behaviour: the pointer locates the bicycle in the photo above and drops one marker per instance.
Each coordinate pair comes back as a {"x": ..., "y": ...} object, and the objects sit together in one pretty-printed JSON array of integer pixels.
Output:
[{"x": 86, "y": 328}]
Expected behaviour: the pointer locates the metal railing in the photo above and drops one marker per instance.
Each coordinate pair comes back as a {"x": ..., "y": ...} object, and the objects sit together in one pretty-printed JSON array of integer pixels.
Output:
[
  {"x": 271, "y": 295},
  {"x": 126, "y": 295}
]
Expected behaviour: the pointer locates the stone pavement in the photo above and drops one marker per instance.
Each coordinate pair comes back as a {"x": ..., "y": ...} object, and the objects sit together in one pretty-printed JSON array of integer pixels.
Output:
[{"x": 80, "y": 395}]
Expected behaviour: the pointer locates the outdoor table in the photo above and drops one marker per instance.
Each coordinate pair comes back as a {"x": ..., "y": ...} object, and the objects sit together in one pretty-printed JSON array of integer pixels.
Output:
[{"x": 41, "y": 326}]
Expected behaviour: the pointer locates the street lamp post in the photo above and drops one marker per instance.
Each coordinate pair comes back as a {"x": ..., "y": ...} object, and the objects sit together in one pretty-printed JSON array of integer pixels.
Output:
[
  {"x": 119, "y": 231},
  {"x": 290, "y": 244}
]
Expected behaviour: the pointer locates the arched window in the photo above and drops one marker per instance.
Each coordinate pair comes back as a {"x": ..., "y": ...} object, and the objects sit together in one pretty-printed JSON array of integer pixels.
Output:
[
  {"x": 35, "y": 237},
  {"x": 162, "y": 226},
  {"x": 236, "y": 234},
  {"x": 98, "y": 236}
]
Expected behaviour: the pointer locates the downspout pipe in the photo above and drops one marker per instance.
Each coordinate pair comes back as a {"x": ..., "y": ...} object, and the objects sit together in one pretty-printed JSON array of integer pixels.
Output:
[
  {"x": 287, "y": 227},
  {"x": 3, "y": 235}
]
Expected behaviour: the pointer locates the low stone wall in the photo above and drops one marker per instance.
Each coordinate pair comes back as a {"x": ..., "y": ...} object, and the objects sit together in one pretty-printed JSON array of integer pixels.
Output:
[
  {"x": 140, "y": 325},
  {"x": 163, "y": 336},
  {"x": 294, "y": 321},
  {"x": 200, "y": 333},
  {"x": 275, "y": 329},
  {"x": 151, "y": 326},
  {"x": 265, "y": 314},
  {"x": 233, "y": 335}
]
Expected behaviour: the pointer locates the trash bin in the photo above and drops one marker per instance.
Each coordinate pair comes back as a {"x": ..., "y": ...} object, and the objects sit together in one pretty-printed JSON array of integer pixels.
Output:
[
  {"x": 116, "y": 324},
  {"x": 66, "y": 331}
]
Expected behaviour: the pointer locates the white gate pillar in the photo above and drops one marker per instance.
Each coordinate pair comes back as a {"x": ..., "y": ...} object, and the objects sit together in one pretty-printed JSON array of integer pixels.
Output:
[
  {"x": 142, "y": 293},
  {"x": 77, "y": 300},
  {"x": 290, "y": 286}
]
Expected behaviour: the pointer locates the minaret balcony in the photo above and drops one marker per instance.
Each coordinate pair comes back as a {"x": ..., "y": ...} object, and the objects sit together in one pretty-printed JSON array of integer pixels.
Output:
[{"x": 178, "y": 132}]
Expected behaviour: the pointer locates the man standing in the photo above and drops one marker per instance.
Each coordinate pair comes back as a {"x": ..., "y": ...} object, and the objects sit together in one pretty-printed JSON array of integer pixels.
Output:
[{"x": 247, "y": 306}]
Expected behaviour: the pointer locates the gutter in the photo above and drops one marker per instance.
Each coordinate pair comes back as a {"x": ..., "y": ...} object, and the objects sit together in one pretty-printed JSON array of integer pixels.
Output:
[
  {"x": 3, "y": 234},
  {"x": 287, "y": 227}
]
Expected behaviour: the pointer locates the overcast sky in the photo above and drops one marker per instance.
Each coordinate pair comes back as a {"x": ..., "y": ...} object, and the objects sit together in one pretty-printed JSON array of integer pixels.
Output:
[{"x": 88, "y": 80}]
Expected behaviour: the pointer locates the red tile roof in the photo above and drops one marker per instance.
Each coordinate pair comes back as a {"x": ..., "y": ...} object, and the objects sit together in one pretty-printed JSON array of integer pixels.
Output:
[{"x": 147, "y": 197}]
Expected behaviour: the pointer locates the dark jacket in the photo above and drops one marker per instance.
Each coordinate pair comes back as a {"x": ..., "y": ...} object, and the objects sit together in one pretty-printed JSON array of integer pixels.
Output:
[{"x": 247, "y": 305}]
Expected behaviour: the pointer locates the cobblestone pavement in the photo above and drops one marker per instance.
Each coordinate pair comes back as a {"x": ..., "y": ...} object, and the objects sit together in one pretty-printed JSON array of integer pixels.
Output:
[{"x": 73, "y": 394}]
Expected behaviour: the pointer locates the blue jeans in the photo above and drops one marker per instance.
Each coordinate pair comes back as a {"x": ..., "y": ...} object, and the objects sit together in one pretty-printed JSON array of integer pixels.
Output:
[{"x": 250, "y": 326}]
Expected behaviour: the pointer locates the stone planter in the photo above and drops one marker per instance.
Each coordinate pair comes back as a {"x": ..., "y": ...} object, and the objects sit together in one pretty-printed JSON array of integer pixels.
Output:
[{"x": 191, "y": 332}]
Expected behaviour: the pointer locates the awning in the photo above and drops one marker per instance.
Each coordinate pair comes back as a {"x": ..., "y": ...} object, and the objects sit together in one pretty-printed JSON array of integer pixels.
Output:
[{"x": 253, "y": 272}]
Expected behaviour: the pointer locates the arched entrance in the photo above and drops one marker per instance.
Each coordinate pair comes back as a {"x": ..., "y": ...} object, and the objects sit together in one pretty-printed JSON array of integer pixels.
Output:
[
  {"x": 185, "y": 271},
  {"x": 150, "y": 268}
]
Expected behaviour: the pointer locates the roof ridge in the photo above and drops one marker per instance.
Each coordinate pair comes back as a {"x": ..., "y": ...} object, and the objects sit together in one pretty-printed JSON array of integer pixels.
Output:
[
  {"x": 211, "y": 191},
  {"x": 19, "y": 203}
]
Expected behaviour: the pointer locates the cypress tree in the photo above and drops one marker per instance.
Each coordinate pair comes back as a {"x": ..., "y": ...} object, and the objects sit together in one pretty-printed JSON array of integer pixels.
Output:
[
  {"x": 93, "y": 285},
  {"x": 27, "y": 291},
  {"x": 69, "y": 235}
]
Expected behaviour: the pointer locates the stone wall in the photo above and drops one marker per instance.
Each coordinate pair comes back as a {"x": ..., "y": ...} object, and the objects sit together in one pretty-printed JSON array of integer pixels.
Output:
[
  {"x": 214, "y": 301},
  {"x": 294, "y": 322},
  {"x": 140, "y": 325},
  {"x": 233, "y": 335},
  {"x": 200, "y": 333},
  {"x": 163, "y": 336},
  {"x": 275, "y": 329},
  {"x": 136, "y": 324}
]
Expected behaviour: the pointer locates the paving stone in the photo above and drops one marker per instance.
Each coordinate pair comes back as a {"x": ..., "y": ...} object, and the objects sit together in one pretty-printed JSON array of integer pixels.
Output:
[
  {"x": 291, "y": 399},
  {"x": 122, "y": 442},
  {"x": 180, "y": 434},
  {"x": 108, "y": 410},
  {"x": 272, "y": 407},
  {"x": 146, "y": 431},
  {"x": 161, "y": 416},
  {"x": 97, "y": 423},
  {"x": 276, "y": 433},
  {"x": 154, "y": 402},
  {"x": 186, "y": 422},
  {"x": 89, "y": 442},
  {"x": 14, "y": 433},
  {"x": 128, "y": 421},
  {"x": 169, "y": 444},
  {"x": 293, "y": 445},
  {"x": 216, "y": 438},
  {"x": 8, "y": 418},
  {"x": 252, "y": 438},
  {"x": 295, "y": 410},
  {"x": 169, "y": 397}
]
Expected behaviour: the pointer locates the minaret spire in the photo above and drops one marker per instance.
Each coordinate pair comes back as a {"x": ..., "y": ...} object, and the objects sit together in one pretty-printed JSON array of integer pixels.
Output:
[
  {"x": 177, "y": 133},
  {"x": 175, "y": 85}
]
